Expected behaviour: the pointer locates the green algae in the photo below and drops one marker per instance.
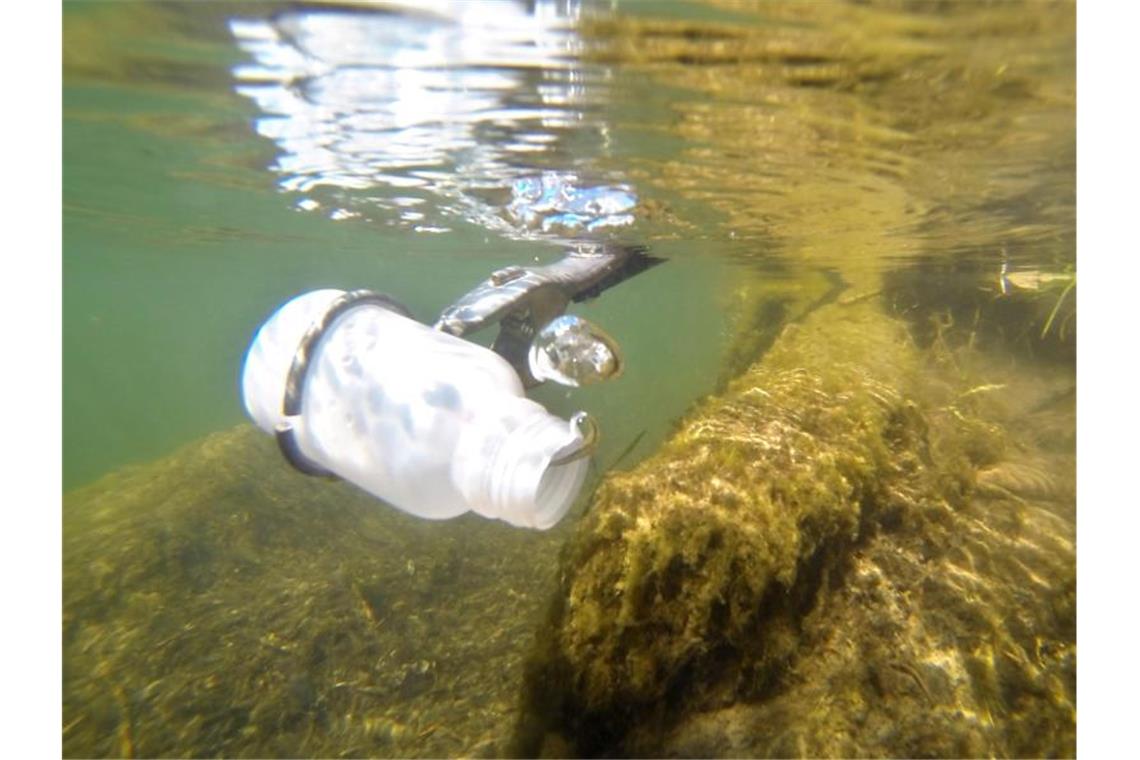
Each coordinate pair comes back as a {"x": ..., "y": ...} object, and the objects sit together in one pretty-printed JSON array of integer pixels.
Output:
[
  {"x": 726, "y": 578},
  {"x": 219, "y": 604},
  {"x": 864, "y": 545}
]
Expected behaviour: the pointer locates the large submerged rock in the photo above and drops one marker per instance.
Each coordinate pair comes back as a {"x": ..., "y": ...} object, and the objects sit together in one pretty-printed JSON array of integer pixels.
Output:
[
  {"x": 216, "y": 603},
  {"x": 848, "y": 553}
]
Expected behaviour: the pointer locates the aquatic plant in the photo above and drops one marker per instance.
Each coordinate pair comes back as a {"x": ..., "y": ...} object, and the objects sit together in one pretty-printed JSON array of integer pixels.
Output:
[{"x": 1070, "y": 283}]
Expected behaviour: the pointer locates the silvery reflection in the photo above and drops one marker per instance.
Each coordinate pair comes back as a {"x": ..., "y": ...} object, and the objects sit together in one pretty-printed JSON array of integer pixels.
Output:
[
  {"x": 573, "y": 351},
  {"x": 556, "y": 200},
  {"x": 452, "y": 102}
]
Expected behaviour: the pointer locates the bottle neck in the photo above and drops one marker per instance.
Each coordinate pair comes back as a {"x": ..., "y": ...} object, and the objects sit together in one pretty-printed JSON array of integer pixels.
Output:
[{"x": 508, "y": 472}]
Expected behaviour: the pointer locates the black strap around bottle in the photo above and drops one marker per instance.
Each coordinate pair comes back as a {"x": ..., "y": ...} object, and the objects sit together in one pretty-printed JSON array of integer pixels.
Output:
[{"x": 299, "y": 370}]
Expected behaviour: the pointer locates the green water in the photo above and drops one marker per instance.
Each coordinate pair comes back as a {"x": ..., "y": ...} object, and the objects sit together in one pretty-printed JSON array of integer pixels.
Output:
[
  {"x": 178, "y": 242},
  {"x": 177, "y": 245}
]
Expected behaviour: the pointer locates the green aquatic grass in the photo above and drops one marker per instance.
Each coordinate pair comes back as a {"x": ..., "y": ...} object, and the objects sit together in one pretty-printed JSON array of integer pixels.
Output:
[{"x": 1069, "y": 287}]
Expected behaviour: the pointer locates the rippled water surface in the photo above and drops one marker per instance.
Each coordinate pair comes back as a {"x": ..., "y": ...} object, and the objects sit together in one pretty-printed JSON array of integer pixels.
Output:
[{"x": 220, "y": 158}]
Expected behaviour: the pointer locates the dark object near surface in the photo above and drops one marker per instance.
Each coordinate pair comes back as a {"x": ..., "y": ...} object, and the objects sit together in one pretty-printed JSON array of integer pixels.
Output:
[{"x": 523, "y": 300}]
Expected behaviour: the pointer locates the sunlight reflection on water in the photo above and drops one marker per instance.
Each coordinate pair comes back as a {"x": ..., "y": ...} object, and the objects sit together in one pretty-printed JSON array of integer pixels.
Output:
[{"x": 454, "y": 106}]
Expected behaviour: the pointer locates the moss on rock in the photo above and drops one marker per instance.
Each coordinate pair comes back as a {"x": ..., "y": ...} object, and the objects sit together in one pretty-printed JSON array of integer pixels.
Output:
[
  {"x": 720, "y": 599},
  {"x": 216, "y": 603}
]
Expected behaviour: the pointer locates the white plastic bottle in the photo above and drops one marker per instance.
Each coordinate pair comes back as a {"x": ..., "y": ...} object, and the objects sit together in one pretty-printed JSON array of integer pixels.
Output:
[{"x": 433, "y": 424}]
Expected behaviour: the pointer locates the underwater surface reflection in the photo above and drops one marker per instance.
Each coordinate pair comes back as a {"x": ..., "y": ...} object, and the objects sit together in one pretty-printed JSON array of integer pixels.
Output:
[
  {"x": 449, "y": 106},
  {"x": 833, "y": 510}
]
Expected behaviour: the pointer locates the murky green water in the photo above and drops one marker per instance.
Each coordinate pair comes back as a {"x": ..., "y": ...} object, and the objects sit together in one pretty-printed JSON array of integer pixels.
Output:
[
  {"x": 916, "y": 145},
  {"x": 179, "y": 242},
  {"x": 220, "y": 158}
]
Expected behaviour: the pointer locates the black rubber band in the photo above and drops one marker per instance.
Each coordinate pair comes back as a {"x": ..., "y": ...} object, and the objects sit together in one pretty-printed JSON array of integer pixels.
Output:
[{"x": 299, "y": 370}]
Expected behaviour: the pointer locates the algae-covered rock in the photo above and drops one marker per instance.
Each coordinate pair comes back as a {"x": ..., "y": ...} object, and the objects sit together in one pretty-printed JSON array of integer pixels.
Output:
[
  {"x": 945, "y": 639},
  {"x": 809, "y": 567},
  {"x": 217, "y": 603}
]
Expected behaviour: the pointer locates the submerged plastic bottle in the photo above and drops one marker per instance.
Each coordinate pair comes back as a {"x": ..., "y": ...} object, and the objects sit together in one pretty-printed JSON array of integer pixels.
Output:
[{"x": 433, "y": 424}]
